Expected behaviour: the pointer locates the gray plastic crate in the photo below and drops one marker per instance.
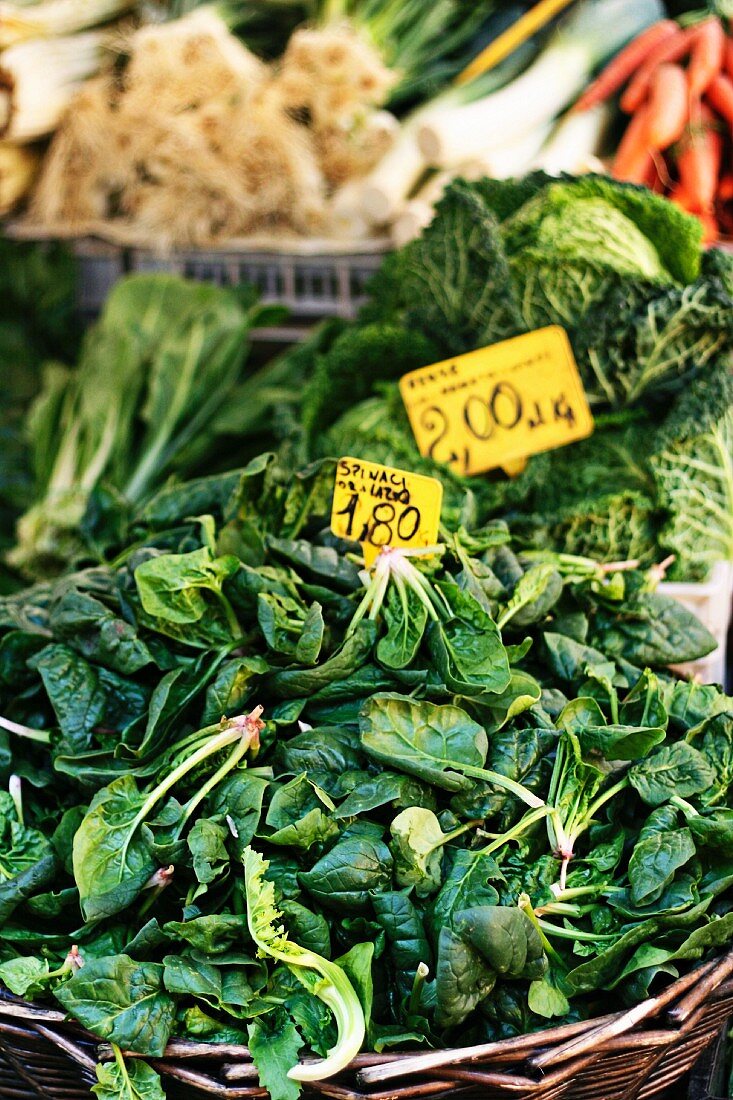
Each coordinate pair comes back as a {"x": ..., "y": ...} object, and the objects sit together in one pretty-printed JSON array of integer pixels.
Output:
[
  {"x": 312, "y": 279},
  {"x": 310, "y": 287}
]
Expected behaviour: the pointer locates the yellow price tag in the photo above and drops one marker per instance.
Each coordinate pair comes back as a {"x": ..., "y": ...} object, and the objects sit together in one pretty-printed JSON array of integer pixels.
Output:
[
  {"x": 381, "y": 506},
  {"x": 500, "y": 404}
]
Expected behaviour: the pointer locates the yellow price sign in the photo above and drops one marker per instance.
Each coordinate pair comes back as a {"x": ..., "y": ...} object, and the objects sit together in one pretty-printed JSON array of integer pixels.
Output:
[
  {"x": 381, "y": 506},
  {"x": 500, "y": 404}
]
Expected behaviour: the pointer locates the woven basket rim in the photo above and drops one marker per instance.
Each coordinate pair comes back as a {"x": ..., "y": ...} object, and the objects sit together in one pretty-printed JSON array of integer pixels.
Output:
[{"x": 537, "y": 1061}]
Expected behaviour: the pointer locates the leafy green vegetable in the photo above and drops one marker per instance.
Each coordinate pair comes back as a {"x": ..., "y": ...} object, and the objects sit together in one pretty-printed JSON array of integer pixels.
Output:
[{"x": 460, "y": 824}]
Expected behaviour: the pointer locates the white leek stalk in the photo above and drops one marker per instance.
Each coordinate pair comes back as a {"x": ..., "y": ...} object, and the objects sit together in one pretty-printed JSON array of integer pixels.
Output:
[
  {"x": 574, "y": 144},
  {"x": 387, "y": 186},
  {"x": 55, "y": 17},
  {"x": 598, "y": 28},
  {"x": 418, "y": 212},
  {"x": 38, "y": 80},
  {"x": 510, "y": 160},
  {"x": 18, "y": 167},
  {"x": 348, "y": 220}
]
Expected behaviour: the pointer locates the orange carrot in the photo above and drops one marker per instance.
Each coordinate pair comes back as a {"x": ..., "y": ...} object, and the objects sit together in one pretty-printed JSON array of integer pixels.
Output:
[
  {"x": 679, "y": 195},
  {"x": 725, "y": 188},
  {"x": 634, "y": 156},
  {"x": 653, "y": 179},
  {"x": 699, "y": 159},
  {"x": 720, "y": 96},
  {"x": 710, "y": 228},
  {"x": 728, "y": 63},
  {"x": 668, "y": 106},
  {"x": 625, "y": 64},
  {"x": 708, "y": 51},
  {"x": 674, "y": 48}
]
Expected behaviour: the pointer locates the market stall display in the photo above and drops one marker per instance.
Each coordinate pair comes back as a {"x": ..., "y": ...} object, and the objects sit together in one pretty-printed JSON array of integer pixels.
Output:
[{"x": 364, "y": 728}]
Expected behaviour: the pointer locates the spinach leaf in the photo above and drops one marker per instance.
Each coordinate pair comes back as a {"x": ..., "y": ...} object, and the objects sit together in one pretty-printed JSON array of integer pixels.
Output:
[
  {"x": 298, "y": 815},
  {"x": 462, "y": 979},
  {"x": 467, "y": 648},
  {"x": 123, "y": 1002},
  {"x": 422, "y": 739},
  {"x": 677, "y": 769},
  {"x": 94, "y": 631},
  {"x": 467, "y": 885},
  {"x": 417, "y": 840},
  {"x": 106, "y": 883},
  {"x": 131, "y": 1080},
  {"x": 405, "y": 932},
  {"x": 183, "y": 595},
  {"x": 275, "y": 1043},
  {"x": 655, "y": 861},
  {"x": 342, "y": 878},
  {"x": 506, "y": 938},
  {"x": 385, "y": 789},
  {"x": 238, "y": 799},
  {"x": 207, "y": 844},
  {"x": 293, "y": 683}
]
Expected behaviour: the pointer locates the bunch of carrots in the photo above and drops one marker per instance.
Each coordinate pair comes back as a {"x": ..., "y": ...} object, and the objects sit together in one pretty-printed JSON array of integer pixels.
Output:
[{"x": 679, "y": 94}]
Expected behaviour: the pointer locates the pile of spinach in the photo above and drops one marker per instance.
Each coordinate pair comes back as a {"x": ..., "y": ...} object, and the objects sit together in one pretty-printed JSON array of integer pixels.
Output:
[{"x": 253, "y": 794}]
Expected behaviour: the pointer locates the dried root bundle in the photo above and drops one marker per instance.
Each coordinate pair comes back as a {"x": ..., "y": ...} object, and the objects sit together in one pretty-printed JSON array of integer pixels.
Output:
[{"x": 190, "y": 148}]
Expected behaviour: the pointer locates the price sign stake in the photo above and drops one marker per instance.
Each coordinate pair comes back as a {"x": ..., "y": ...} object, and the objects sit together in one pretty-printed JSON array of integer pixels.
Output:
[
  {"x": 500, "y": 404},
  {"x": 381, "y": 506}
]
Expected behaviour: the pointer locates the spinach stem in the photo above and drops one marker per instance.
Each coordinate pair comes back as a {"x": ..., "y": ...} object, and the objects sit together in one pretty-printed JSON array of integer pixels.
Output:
[
  {"x": 521, "y": 827},
  {"x": 25, "y": 731}
]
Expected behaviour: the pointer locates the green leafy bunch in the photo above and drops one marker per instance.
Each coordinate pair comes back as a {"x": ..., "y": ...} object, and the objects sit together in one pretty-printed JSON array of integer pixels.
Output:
[{"x": 253, "y": 793}]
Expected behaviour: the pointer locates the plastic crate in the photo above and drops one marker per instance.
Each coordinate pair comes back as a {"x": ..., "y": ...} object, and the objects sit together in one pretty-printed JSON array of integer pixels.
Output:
[
  {"x": 309, "y": 283},
  {"x": 711, "y": 602},
  {"x": 312, "y": 279}
]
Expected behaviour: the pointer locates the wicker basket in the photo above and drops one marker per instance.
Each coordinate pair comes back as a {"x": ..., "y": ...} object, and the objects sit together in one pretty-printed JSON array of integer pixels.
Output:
[{"x": 634, "y": 1055}]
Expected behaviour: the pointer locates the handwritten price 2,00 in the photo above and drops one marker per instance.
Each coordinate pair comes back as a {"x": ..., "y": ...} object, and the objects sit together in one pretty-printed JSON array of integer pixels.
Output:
[
  {"x": 499, "y": 404},
  {"x": 483, "y": 419}
]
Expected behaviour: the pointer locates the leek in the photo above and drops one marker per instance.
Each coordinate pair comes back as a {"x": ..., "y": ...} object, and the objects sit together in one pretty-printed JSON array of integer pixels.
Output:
[
  {"x": 55, "y": 17},
  {"x": 38, "y": 79},
  {"x": 575, "y": 143},
  {"x": 454, "y": 131}
]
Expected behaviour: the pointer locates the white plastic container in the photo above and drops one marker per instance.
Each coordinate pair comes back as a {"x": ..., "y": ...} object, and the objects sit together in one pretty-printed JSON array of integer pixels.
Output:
[{"x": 711, "y": 602}]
